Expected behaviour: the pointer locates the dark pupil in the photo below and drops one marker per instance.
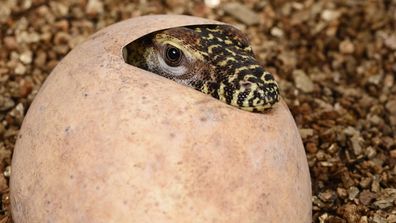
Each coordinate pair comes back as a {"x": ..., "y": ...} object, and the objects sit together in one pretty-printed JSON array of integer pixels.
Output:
[{"x": 173, "y": 54}]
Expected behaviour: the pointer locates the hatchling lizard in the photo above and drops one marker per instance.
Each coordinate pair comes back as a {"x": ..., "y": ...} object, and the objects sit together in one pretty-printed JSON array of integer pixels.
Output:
[{"x": 214, "y": 59}]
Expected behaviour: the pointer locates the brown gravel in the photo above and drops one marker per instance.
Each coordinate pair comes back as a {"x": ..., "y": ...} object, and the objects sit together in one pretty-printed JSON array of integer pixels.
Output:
[{"x": 335, "y": 62}]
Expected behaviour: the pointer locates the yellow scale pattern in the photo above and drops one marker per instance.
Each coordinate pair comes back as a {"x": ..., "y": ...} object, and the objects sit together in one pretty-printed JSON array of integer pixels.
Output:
[
  {"x": 237, "y": 53},
  {"x": 231, "y": 74}
]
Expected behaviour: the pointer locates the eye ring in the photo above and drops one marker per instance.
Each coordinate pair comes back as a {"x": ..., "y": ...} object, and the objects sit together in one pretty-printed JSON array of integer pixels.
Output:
[{"x": 173, "y": 56}]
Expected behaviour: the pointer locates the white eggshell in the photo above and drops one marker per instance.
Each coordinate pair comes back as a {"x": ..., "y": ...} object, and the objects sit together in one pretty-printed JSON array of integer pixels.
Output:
[{"x": 105, "y": 141}]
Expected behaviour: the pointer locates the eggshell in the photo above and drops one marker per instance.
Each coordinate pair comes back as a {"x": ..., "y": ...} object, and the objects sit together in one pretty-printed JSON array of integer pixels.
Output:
[{"x": 105, "y": 141}]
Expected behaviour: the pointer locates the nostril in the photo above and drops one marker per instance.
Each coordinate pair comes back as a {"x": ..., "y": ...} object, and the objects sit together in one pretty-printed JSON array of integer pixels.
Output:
[{"x": 246, "y": 85}]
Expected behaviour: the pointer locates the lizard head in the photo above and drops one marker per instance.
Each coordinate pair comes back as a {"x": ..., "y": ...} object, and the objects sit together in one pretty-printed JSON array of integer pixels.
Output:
[{"x": 215, "y": 59}]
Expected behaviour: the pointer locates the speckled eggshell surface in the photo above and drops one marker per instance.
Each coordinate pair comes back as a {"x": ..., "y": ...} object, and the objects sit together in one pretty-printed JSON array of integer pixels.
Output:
[{"x": 105, "y": 141}]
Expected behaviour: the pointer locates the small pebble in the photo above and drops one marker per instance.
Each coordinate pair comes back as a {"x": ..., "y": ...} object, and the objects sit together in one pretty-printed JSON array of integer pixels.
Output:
[
  {"x": 329, "y": 15},
  {"x": 379, "y": 219},
  {"x": 305, "y": 133},
  {"x": 242, "y": 13},
  {"x": 311, "y": 148},
  {"x": 302, "y": 81},
  {"x": 365, "y": 182},
  {"x": 390, "y": 41},
  {"x": 370, "y": 152},
  {"x": 10, "y": 42},
  {"x": 375, "y": 79},
  {"x": 346, "y": 47},
  {"x": 40, "y": 59},
  {"x": 25, "y": 87},
  {"x": 212, "y": 3},
  {"x": 393, "y": 153},
  {"x": 391, "y": 106},
  {"x": 391, "y": 218},
  {"x": 384, "y": 203},
  {"x": 27, "y": 37},
  {"x": 26, "y": 57},
  {"x": 277, "y": 32},
  {"x": 353, "y": 192},
  {"x": 94, "y": 7},
  {"x": 3, "y": 183},
  {"x": 366, "y": 197},
  {"x": 20, "y": 69},
  {"x": 327, "y": 196},
  {"x": 357, "y": 148},
  {"x": 6, "y": 103},
  {"x": 7, "y": 171},
  {"x": 342, "y": 192}
]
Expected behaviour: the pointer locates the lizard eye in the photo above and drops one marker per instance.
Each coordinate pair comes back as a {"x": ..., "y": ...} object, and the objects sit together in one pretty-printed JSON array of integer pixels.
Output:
[{"x": 173, "y": 56}]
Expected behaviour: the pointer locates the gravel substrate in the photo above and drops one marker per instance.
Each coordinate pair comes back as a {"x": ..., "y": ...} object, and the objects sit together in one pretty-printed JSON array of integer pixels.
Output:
[{"x": 334, "y": 60}]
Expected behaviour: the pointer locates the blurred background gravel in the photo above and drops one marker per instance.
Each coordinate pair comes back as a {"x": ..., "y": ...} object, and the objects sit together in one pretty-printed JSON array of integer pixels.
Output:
[{"x": 334, "y": 60}]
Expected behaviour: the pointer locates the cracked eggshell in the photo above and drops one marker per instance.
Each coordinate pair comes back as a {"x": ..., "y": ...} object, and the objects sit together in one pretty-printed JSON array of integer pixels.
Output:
[{"x": 105, "y": 141}]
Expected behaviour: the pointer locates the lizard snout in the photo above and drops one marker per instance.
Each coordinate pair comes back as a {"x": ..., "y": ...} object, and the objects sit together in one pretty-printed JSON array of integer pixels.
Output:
[{"x": 253, "y": 92}]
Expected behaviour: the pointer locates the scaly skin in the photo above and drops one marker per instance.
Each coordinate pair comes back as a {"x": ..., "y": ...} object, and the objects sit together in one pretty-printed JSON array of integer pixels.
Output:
[{"x": 217, "y": 60}]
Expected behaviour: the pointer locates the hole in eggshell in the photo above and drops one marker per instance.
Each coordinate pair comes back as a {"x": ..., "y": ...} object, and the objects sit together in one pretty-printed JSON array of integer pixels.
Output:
[
  {"x": 139, "y": 53},
  {"x": 213, "y": 59},
  {"x": 135, "y": 53}
]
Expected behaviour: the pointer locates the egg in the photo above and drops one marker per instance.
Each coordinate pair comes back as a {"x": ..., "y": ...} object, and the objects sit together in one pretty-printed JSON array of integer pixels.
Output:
[{"x": 105, "y": 141}]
